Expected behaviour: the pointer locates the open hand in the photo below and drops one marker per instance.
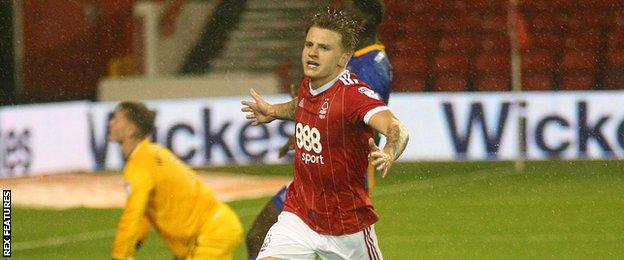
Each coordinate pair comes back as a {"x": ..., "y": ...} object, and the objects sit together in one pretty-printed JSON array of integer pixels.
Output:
[
  {"x": 380, "y": 159},
  {"x": 257, "y": 110}
]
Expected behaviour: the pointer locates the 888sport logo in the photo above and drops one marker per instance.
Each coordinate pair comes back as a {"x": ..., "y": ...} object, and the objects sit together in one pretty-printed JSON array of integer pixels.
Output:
[{"x": 309, "y": 139}]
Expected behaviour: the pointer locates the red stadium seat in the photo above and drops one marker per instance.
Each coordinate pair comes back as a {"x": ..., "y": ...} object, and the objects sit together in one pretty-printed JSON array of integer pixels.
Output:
[
  {"x": 615, "y": 40},
  {"x": 492, "y": 71},
  {"x": 495, "y": 42},
  {"x": 493, "y": 83},
  {"x": 460, "y": 22},
  {"x": 490, "y": 63},
  {"x": 453, "y": 63},
  {"x": 591, "y": 20},
  {"x": 494, "y": 23},
  {"x": 421, "y": 45},
  {"x": 420, "y": 23},
  {"x": 454, "y": 6},
  {"x": 582, "y": 81},
  {"x": 537, "y": 61},
  {"x": 390, "y": 28},
  {"x": 547, "y": 5},
  {"x": 600, "y": 4},
  {"x": 397, "y": 7},
  {"x": 457, "y": 43},
  {"x": 615, "y": 60},
  {"x": 578, "y": 70},
  {"x": 414, "y": 44},
  {"x": 487, "y": 6},
  {"x": 578, "y": 60},
  {"x": 563, "y": 5},
  {"x": 548, "y": 22},
  {"x": 614, "y": 80},
  {"x": 423, "y": 6},
  {"x": 537, "y": 81},
  {"x": 585, "y": 40},
  {"x": 451, "y": 83},
  {"x": 409, "y": 84},
  {"x": 619, "y": 19},
  {"x": 545, "y": 41},
  {"x": 411, "y": 65}
]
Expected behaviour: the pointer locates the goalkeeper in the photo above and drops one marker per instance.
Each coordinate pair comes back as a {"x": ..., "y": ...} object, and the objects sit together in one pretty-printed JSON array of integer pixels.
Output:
[{"x": 166, "y": 194}]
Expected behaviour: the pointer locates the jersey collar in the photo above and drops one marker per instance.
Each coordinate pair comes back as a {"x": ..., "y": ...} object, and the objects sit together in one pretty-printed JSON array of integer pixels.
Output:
[
  {"x": 369, "y": 48},
  {"x": 327, "y": 85},
  {"x": 144, "y": 142}
]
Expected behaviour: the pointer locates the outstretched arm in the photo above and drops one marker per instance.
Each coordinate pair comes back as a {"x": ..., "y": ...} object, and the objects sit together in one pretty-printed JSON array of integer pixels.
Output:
[
  {"x": 397, "y": 136},
  {"x": 261, "y": 112}
]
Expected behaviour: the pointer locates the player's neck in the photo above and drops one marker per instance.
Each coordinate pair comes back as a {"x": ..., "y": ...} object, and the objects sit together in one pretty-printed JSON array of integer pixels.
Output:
[
  {"x": 319, "y": 82},
  {"x": 128, "y": 145}
]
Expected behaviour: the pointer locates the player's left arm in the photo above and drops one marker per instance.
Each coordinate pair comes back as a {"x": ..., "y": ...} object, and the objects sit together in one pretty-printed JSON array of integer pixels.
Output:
[
  {"x": 261, "y": 112},
  {"x": 143, "y": 232},
  {"x": 386, "y": 123},
  {"x": 131, "y": 227}
]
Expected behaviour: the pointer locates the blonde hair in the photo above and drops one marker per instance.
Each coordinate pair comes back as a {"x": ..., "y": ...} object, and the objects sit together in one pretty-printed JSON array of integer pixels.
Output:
[{"x": 347, "y": 25}]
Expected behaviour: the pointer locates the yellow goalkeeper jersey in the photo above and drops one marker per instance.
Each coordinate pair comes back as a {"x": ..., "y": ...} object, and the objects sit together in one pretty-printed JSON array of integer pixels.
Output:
[{"x": 164, "y": 193}]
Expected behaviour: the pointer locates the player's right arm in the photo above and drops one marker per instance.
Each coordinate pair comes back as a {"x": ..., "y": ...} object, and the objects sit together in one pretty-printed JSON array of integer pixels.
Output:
[
  {"x": 397, "y": 136},
  {"x": 131, "y": 227},
  {"x": 261, "y": 112}
]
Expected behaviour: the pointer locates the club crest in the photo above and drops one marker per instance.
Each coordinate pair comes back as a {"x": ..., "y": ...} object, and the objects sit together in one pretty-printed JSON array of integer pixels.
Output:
[{"x": 324, "y": 108}]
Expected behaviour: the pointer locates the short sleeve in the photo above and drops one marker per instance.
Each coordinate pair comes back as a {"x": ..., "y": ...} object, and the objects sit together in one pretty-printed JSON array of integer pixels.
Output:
[{"x": 362, "y": 103}]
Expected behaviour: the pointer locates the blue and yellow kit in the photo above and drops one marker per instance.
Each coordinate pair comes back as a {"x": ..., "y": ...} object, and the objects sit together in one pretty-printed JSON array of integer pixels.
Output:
[
  {"x": 168, "y": 195},
  {"x": 371, "y": 64}
]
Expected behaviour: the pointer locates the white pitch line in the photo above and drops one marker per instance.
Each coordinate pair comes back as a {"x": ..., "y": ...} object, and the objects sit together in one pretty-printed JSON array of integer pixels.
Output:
[
  {"x": 245, "y": 212},
  {"x": 61, "y": 240},
  {"x": 93, "y": 235}
]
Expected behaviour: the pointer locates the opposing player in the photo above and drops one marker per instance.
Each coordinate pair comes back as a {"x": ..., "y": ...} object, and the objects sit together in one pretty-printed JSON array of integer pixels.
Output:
[
  {"x": 328, "y": 211},
  {"x": 372, "y": 66},
  {"x": 370, "y": 62},
  {"x": 166, "y": 194}
]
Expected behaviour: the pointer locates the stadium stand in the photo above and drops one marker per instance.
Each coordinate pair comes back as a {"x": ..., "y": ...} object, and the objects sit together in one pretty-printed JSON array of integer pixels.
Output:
[
  {"x": 437, "y": 45},
  {"x": 264, "y": 36},
  {"x": 571, "y": 45},
  {"x": 489, "y": 69}
]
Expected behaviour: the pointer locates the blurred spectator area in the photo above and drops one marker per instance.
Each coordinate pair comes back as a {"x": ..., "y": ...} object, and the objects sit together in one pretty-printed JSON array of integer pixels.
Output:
[
  {"x": 436, "y": 45},
  {"x": 462, "y": 45},
  {"x": 69, "y": 46}
]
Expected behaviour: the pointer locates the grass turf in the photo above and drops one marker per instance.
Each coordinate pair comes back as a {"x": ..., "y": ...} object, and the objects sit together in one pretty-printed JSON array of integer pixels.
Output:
[{"x": 554, "y": 209}]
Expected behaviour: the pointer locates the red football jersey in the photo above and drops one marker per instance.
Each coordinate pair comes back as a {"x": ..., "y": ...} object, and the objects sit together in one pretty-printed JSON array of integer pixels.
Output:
[{"x": 331, "y": 156}]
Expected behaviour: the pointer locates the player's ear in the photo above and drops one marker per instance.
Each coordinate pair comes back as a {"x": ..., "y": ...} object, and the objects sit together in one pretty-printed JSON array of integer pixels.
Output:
[
  {"x": 132, "y": 131},
  {"x": 344, "y": 59}
]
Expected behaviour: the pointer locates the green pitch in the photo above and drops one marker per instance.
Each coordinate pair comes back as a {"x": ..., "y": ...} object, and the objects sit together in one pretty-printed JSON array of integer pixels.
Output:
[{"x": 428, "y": 210}]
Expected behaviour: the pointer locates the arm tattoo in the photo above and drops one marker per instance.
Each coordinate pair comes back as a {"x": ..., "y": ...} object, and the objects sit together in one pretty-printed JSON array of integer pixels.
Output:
[
  {"x": 285, "y": 111},
  {"x": 397, "y": 138}
]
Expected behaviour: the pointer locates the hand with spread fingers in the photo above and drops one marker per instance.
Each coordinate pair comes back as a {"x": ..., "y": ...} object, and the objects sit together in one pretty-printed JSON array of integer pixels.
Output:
[
  {"x": 379, "y": 158},
  {"x": 257, "y": 110}
]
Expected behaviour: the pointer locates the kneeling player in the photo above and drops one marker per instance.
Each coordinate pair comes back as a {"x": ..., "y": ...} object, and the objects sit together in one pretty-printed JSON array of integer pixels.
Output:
[{"x": 165, "y": 193}]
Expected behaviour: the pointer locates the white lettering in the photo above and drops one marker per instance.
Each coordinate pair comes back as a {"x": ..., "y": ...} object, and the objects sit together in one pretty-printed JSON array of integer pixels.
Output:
[{"x": 310, "y": 158}]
